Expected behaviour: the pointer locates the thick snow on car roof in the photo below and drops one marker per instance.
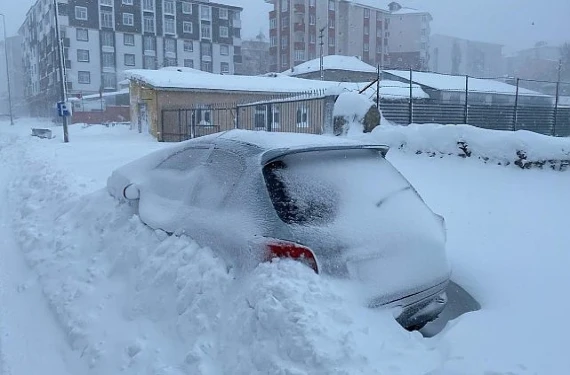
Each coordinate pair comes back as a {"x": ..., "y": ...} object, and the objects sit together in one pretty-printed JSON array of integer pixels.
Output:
[{"x": 271, "y": 140}]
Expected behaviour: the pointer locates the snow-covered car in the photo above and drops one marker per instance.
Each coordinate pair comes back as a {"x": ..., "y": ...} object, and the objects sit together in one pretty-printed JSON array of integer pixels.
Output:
[{"x": 333, "y": 203}]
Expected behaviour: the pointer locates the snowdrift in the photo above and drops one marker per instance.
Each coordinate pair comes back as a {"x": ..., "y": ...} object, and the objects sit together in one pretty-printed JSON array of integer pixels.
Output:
[{"x": 521, "y": 148}]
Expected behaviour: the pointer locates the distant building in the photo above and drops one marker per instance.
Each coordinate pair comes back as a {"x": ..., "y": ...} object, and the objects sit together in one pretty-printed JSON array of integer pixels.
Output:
[
  {"x": 380, "y": 32},
  {"x": 255, "y": 57},
  {"x": 451, "y": 89},
  {"x": 451, "y": 55},
  {"x": 16, "y": 70},
  {"x": 539, "y": 63},
  {"x": 335, "y": 68},
  {"x": 102, "y": 38}
]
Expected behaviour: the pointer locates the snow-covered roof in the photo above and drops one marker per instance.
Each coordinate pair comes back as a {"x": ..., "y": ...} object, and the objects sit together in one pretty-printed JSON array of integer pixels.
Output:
[
  {"x": 564, "y": 101},
  {"x": 444, "y": 82},
  {"x": 395, "y": 90},
  {"x": 198, "y": 80},
  {"x": 332, "y": 62},
  {"x": 105, "y": 95},
  {"x": 385, "y": 6}
]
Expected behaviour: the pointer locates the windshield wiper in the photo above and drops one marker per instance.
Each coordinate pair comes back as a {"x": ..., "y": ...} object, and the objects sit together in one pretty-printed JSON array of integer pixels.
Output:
[{"x": 381, "y": 202}]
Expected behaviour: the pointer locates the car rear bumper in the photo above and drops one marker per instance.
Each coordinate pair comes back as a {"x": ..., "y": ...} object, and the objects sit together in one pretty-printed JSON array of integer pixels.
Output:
[{"x": 417, "y": 309}]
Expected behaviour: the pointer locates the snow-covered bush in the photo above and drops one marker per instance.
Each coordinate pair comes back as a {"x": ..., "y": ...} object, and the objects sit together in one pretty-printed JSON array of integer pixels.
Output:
[{"x": 354, "y": 113}]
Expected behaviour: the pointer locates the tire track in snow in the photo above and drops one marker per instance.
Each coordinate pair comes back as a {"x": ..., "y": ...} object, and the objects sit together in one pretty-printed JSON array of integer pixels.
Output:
[{"x": 31, "y": 342}]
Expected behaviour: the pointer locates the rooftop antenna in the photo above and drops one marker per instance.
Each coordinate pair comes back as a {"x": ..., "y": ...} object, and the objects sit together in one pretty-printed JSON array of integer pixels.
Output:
[{"x": 321, "y": 44}]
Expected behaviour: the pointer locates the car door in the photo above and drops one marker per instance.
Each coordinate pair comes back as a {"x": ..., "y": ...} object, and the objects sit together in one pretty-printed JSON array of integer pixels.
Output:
[{"x": 164, "y": 195}]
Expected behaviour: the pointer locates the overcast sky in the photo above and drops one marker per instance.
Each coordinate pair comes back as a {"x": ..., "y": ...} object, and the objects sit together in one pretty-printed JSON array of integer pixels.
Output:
[{"x": 514, "y": 23}]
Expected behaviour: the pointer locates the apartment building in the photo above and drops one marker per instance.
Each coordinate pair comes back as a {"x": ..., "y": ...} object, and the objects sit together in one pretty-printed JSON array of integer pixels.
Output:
[
  {"x": 12, "y": 45},
  {"x": 103, "y": 38},
  {"x": 378, "y": 32}
]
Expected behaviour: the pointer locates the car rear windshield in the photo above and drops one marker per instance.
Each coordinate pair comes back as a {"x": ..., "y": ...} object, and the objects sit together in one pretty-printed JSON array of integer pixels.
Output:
[{"x": 312, "y": 188}]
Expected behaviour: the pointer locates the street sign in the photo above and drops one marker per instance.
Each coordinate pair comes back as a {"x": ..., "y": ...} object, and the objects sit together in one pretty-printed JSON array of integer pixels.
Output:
[{"x": 63, "y": 109}]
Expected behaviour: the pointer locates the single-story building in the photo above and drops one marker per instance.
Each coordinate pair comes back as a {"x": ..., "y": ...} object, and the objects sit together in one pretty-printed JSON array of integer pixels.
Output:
[
  {"x": 167, "y": 102},
  {"x": 445, "y": 88},
  {"x": 335, "y": 68},
  {"x": 99, "y": 108}
]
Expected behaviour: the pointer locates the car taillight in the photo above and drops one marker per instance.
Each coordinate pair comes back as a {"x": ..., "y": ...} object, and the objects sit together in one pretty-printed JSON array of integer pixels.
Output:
[{"x": 286, "y": 249}]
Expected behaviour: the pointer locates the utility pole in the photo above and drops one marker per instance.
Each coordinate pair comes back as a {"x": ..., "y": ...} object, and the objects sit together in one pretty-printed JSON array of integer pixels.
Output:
[
  {"x": 557, "y": 96},
  {"x": 7, "y": 70},
  {"x": 321, "y": 43},
  {"x": 61, "y": 70}
]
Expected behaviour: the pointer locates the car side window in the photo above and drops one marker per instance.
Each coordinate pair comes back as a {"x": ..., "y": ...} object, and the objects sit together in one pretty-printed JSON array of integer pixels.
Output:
[
  {"x": 218, "y": 178},
  {"x": 187, "y": 159}
]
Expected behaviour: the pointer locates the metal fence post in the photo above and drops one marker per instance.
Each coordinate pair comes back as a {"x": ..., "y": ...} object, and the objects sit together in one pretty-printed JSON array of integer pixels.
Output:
[
  {"x": 268, "y": 118},
  {"x": 516, "y": 110},
  {"x": 556, "y": 106},
  {"x": 411, "y": 109},
  {"x": 237, "y": 116},
  {"x": 378, "y": 89},
  {"x": 466, "y": 110},
  {"x": 328, "y": 127}
]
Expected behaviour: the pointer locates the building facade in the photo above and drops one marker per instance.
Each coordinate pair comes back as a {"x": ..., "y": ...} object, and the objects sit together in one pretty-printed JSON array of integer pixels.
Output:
[
  {"x": 451, "y": 55},
  {"x": 255, "y": 57},
  {"x": 391, "y": 36},
  {"x": 16, "y": 71},
  {"x": 103, "y": 38}
]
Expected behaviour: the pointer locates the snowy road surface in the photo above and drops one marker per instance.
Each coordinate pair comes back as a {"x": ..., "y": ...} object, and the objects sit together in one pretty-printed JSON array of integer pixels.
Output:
[
  {"x": 85, "y": 288},
  {"x": 31, "y": 341}
]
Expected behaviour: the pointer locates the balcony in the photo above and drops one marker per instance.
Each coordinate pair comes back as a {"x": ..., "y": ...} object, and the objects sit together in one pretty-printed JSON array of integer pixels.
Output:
[{"x": 299, "y": 26}]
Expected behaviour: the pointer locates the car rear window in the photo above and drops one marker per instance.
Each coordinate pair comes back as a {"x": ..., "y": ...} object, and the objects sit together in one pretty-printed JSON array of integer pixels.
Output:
[{"x": 313, "y": 188}]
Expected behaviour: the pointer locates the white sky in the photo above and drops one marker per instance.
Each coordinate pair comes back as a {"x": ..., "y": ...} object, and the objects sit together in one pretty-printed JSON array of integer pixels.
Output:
[{"x": 514, "y": 23}]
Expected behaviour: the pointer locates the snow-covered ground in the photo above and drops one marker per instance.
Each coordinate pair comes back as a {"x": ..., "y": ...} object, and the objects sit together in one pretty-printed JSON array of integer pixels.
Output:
[{"x": 86, "y": 288}]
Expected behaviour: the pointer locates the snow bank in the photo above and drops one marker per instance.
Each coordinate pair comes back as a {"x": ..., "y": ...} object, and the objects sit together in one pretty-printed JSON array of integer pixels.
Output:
[
  {"x": 522, "y": 148},
  {"x": 137, "y": 301},
  {"x": 352, "y": 114}
]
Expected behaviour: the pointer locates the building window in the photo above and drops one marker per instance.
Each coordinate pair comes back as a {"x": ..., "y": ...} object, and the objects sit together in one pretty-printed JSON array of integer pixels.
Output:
[
  {"x": 272, "y": 41},
  {"x": 273, "y": 23},
  {"x": 169, "y": 27},
  {"x": 186, "y": 7},
  {"x": 366, "y": 47},
  {"x": 129, "y": 59},
  {"x": 312, "y": 19},
  {"x": 299, "y": 55},
  {"x": 205, "y": 12},
  {"x": 148, "y": 43},
  {"x": 225, "y": 67},
  {"x": 284, "y": 60},
  {"x": 106, "y": 2},
  {"x": 312, "y": 3},
  {"x": 188, "y": 46},
  {"x": 206, "y": 66},
  {"x": 284, "y": 5},
  {"x": 107, "y": 39},
  {"x": 129, "y": 39},
  {"x": 366, "y": 29},
  {"x": 148, "y": 24},
  {"x": 302, "y": 116},
  {"x": 169, "y": 7},
  {"x": 223, "y": 13},
  {"x": 236, "y": 16},
  {"x": 237, "y": 33},
  {"x": 82, "y": 35},
  {"x": 107, "y": 19},
  {"x": 188, "y": 63},
  {"x": 108, "y": 59},
  {"x": 331, "y": 23},
  {"x": 224, "y": 50},
  {"x": 149, "y": 62},
  {"x": 81, "y": 13},
  {"x": 148, "y": 5},
  {"x": 170, "y": 45},
  {"x": 83, "y": 55},
  {"x": 224, "y": 32},
  {"x": 312, "y": 38},
  {"x": 332, "y": 5},
  {"x": 170, "y": 61},
  {"x": 128, "y": 19},
  {"x": 109, "y": 80},
  {"x": 284, "y": 22},
  {"x": 331, "y": 41},
  {"x": 127, "y": 2},
  {"x": 284, "y": 42},
  {"x": 187, "y": 27},
  {"x": 206, "y": 49},
  {"x": 366, "y": 13},
  {"x": 379, "y": 33},
  {"x": 84, "y": 77},
  {"x": 206, "y": 31}
]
